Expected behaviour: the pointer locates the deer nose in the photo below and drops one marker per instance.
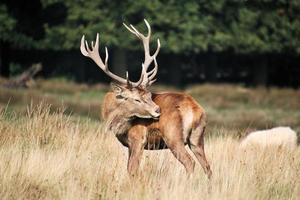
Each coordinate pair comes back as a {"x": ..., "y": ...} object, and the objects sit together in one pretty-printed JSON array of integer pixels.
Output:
[{"x": 157, "y": 110}]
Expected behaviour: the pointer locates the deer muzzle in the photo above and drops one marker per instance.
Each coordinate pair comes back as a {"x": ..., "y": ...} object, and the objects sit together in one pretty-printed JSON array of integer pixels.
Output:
[{"x": 156, "y": 112}]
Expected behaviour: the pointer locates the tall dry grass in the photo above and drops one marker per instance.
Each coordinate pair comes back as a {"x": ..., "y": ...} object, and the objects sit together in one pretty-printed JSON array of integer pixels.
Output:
[{"x": 50, "y": 155}]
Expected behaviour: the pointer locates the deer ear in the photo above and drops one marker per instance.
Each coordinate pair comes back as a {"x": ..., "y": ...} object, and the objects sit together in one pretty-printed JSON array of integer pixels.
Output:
[{"x": 118, "y": 90}]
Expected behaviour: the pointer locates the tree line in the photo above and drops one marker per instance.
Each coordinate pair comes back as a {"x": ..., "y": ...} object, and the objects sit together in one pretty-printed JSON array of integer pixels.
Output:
[{"x": 217, "y": 31}]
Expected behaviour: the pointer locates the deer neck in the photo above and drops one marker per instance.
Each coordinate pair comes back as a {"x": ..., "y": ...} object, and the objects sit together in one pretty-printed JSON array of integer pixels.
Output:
[{"x": 118, "y": 121}]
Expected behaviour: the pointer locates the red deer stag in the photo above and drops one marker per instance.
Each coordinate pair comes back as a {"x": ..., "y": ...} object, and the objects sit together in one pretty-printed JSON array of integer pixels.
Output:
[{"x": 144, "y": 120}]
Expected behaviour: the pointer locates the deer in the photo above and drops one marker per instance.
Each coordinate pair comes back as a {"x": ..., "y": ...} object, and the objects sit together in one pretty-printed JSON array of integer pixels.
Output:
[{"x": 142, "y": 120}]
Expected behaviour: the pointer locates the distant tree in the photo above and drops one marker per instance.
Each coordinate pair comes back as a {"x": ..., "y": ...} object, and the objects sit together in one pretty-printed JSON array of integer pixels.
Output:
[
  {"x": 185, "y": 27},
  {"x": 242, "y": 27},
  {"x": 17, "y": 29}
]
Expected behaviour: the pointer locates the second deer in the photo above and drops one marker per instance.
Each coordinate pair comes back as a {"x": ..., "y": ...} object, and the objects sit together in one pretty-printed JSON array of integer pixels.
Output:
[{"x": 152, "y": 121}]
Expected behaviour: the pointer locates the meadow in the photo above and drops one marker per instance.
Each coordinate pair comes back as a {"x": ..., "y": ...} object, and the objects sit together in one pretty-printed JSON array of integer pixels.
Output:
[{"x": 52, "y": 147}]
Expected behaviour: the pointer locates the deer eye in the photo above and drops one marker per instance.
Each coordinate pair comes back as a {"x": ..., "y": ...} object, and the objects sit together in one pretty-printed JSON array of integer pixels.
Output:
[
  {"x": 137, "y": 100},
  {"x": 121, "y": 97}
]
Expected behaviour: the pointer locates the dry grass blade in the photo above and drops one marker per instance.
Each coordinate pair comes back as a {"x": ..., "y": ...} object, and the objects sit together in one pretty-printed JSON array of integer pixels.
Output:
[{"x": 53, "y": 156}]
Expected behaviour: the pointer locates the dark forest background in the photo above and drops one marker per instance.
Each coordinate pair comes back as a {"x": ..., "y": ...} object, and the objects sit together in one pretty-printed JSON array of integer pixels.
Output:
[{"x": 253, "y": 42}]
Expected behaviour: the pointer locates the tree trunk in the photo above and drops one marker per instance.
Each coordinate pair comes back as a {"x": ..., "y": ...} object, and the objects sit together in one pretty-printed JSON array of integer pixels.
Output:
[
  {"x": 175, "y": 71},
  {"x": 119, "y": 62},
  {"x": 4, "y": 61},
  {"x": 211, "y": 69},
  {"x": 260, "y": 76}
]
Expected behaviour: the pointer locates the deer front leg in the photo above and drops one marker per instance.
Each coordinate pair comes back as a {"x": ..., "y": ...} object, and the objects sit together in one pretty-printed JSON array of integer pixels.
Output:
[
  {"x": 136, "y": 140},
  {"x": 134, "y": 158}
]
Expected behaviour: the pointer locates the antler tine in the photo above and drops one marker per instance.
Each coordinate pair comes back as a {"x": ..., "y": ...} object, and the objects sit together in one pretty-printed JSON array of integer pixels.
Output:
[
  {"x": 106, "y": 57},
  {"x": 136, "y": 31},
  {"x": 149, "y": 28},
  {"x": 93, "y": 53},
  {"x": 146, "y": 77},
  {"x": 127, "y": 79},
  {"x": 82, "y": 46},
  {"x": 158, "y": 48},
  {"x": 132, "y": 30},
  {"x": 153, "y": 73}
]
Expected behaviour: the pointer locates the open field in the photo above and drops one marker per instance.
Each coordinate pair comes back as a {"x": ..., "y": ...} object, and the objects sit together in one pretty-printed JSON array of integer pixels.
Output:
[{"x": 60, "y": 152}]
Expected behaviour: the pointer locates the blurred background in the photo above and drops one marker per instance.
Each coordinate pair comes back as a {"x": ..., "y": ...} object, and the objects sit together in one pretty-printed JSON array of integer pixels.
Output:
[
  {"x": 250, "y": 42},
  {"x": 238, "y": 58}
]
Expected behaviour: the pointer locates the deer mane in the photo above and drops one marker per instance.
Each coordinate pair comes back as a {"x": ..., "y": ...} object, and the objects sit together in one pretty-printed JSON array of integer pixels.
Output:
[{"x": 118, "y": 122}]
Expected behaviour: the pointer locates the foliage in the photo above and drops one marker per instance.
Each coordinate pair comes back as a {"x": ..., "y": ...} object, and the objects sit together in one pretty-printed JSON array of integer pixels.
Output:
[
  {"x": 240, "y": 26},
  {"x": 9, "y": 33},
  {"x": 15, "y": 69}
]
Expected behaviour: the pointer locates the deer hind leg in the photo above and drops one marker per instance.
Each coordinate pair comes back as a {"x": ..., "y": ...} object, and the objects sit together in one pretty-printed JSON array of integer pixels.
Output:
[
  {"x": 196, "y": 144},
  {"x": 181, "y": 154}
]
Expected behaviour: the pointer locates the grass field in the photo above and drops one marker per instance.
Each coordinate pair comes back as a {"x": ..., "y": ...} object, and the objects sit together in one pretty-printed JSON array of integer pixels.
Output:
[{"x": 58, "y": 151}]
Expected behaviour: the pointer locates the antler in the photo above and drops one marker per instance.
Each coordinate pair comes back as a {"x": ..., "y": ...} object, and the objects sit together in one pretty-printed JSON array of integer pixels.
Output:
[
  {"x": 94, "y": 55},
  {"x": 147, "y": 78}
]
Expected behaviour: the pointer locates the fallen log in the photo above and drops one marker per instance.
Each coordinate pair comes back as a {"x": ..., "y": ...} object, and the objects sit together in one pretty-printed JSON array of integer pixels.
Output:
[{"x": 24, "y": 80}]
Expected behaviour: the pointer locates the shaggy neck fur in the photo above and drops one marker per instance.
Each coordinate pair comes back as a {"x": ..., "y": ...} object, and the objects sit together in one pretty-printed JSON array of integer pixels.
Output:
[{"x": 118, "y": 122}]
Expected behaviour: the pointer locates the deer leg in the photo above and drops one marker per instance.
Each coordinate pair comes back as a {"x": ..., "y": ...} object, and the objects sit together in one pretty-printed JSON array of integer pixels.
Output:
[
  {"x": 196, "y": 144},
  {"x": 184, "y": 157},
  {"x": 136, "y": 141},
  {"x": 135, "y": 154},
  {"x": 181, "y": 154},
  {"x": 173, "y": 138}
]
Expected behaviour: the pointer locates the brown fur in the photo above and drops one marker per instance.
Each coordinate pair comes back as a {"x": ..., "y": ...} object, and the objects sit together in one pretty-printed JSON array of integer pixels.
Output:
[{"x": 166, "y": 132}]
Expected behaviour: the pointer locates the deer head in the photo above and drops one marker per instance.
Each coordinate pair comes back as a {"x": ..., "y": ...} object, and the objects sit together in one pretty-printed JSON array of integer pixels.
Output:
[
  {"x": 133, "y": 95},
  {"x": 136, "y": 101}
]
